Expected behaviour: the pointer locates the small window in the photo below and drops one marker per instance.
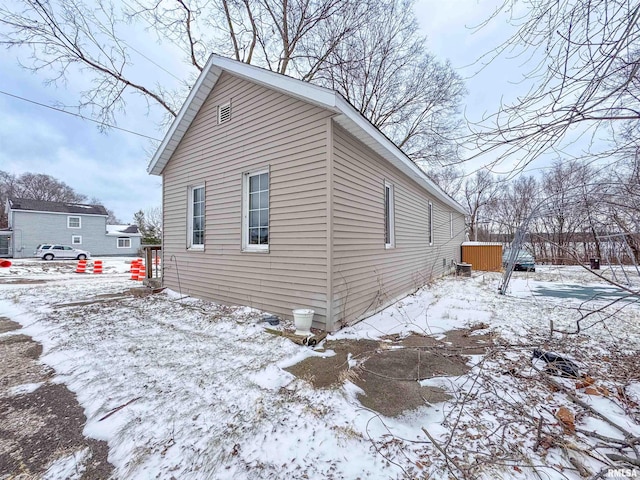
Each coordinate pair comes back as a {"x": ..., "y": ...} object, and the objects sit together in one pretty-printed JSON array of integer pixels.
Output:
[
  {"x": 224, "y": 113},
  {"x": 124, "y": 242},
  {"x": 76, "y": 239},
  {"x": 255, "y": 235},
  {"x": 450, "y": 224},
  {"x": 58, "y": 247},
  {"x": 73, "y": 222},
  {"x": 196, "y": 218},
  {"x": 430, "y": 223},
  {"x": 389, "y": 216}
]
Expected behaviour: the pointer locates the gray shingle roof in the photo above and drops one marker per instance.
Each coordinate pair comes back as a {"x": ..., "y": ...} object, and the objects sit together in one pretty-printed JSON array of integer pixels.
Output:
[
  {"x": 131, "y": 229},
  {"x": 58, "y": 207}
]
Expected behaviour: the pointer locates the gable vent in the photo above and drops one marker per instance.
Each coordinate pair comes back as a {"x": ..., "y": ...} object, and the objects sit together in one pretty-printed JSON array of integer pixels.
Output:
[{"x": 224, "y": 113}]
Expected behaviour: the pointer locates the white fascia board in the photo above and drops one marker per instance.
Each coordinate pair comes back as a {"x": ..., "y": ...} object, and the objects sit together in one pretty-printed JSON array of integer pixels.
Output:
[
  {"x": 396, "y": 156},
  {"x": 306, "y": 91}
]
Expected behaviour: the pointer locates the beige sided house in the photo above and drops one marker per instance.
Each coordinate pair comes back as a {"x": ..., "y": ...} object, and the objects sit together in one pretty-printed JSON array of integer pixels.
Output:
[{"x": 279, "y": 194}]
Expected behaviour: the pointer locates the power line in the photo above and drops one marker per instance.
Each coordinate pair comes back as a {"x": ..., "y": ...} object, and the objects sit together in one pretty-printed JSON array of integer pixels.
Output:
[
  {"x": 104, "y": 124},
  {"x": 157, "y": 65}
]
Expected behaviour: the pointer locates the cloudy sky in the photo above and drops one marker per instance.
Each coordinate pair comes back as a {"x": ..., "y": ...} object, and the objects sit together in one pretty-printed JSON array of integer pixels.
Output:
[{"x": 111, "y": 166}]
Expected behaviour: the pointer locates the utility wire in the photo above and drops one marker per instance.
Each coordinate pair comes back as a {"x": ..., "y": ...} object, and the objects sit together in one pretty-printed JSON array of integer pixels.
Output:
[
  {"x": 78, "y": 115},
  {"x": 156, "y": 64}
]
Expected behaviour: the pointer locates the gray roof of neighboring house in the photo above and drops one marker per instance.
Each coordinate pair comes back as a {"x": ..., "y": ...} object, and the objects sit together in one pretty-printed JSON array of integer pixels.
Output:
[
  {"x": 346, "y": 116},
  {"x": 120, "y": 229},
  {"x": 57, "y": 207}
]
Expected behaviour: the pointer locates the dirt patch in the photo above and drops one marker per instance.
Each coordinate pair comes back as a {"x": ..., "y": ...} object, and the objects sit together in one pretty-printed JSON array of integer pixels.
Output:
[
  {"x": 21, "y": 281},
  {"x": 389, "y": 370},
  {"x": 7, "y": 325},
  {"x": 325, "y": 372},
  {"x": 40, "y": 422}
]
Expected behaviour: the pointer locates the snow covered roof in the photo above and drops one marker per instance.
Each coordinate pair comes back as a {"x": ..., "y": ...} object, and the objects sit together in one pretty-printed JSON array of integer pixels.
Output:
[
  {"x": 347, "y": 116},
  {"x": 119, "y": 230},
  {"x": 56, "y": 207}
]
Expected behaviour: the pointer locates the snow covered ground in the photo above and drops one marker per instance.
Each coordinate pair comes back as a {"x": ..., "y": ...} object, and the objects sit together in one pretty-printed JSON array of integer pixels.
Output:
[{"x": 182, "y": 388}]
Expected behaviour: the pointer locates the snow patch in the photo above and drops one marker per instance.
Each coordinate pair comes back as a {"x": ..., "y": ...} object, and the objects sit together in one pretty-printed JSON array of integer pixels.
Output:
[{"x": 25, "y": 388}]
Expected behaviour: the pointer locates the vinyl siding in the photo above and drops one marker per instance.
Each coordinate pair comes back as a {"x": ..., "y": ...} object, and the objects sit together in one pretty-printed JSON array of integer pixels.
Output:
[
  {"x": 33, "y": 228},
  {"x": 367, "y": 276},
  {"x": 267, "y": 130}
]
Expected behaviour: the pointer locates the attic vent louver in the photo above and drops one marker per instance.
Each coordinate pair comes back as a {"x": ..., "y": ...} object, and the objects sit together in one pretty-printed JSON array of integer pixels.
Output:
[{"x": 224, "y": 113}]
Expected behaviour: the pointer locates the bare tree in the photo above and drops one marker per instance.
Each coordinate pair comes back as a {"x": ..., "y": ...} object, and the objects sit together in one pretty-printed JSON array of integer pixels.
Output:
[
  {"x": 38, "y": 186},
  {"x": 368, "y": 50},
  {"x": 64, "y": 35},
  {"x": 111, "y": 216},
  {"x": 564, "y": 214},
  {"x": 622, "y": 203},
  {"x": 585, "y": 61},
  {"x": 449, "y": 178},
  {"x": 386, "y": 72},
  {"x": 34, "y": 186},
  {"x": 480, "y": 192},
  {"x": 149, "y": 223},
  {"x": 514, "y": 202},
  {"x": 7, "y": 190}
]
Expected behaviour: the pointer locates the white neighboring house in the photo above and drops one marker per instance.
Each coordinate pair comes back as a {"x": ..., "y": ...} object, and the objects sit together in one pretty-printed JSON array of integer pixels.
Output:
[{"x": 32, "y": 222}]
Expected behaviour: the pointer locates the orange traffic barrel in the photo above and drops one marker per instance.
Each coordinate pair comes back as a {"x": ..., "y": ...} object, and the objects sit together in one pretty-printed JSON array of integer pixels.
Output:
[
  {"x": 82, "y": 266},
  {"x": 97, "y": 266},
  {"x": 135, "y": 270},
  {"x": 142, "y": 273}
]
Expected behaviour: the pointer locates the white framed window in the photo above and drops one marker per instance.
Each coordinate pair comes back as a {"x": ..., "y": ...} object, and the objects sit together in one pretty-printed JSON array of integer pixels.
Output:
[
  {"x": 389, "y": 216},
  {"x": 450, "y": 224},
  {"x": 124, "y": 242},
  {"x": 430, "y": 223},
  {"x": 195, "y": 227},
  {"x": 224, "y": 113},
  {"x": 74, "y": 222},
  {"x": 76, "y": 239},
  {"x": 255, "y": 211}
]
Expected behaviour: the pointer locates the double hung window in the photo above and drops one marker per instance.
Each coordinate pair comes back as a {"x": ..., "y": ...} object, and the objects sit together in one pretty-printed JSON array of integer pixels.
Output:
[
  {"x": 430, "y": 223},
  {"x": 74, "y": 222},
  {"x": 255, "y": 235},
  {"x": 196, "y": 218},
  {"x": 389, "y": 216},
  {"x": 124, "y": 242}
]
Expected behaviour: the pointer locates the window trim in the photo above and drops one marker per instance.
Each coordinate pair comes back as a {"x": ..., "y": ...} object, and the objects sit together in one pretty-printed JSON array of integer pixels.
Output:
[
  {"x": 73, "y": 237},
  {"x": 389, "y": 216},
  {"x": 123, "y": 238},
  {"x": 190, "y": 244},
  {"x": 246, "y": 246},
  {"x": 74, "y": 216},
  {"x": 430, "y": 224}
]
